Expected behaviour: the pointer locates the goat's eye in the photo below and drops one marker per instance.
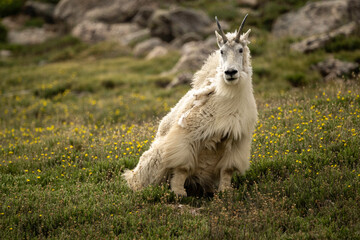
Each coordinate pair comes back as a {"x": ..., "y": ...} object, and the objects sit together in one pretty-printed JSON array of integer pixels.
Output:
[
  {"x": 240, "y": 50},
  {"x": 222, "y": 52}
]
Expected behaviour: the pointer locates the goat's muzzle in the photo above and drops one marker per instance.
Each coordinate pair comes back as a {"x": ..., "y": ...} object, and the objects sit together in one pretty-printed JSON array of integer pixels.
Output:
[{"x": 231, "y": 74}]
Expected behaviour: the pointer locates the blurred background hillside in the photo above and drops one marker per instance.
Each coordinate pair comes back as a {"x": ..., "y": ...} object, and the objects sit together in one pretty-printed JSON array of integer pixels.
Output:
[{"x": 294, "y": 43}]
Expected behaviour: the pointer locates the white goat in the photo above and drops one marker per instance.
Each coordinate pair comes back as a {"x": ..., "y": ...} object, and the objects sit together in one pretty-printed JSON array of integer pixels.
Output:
[{"x": 207, "y": 136}]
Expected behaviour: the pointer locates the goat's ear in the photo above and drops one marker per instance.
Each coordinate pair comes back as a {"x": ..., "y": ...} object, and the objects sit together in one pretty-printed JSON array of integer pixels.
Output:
[
  {"x": 245, "y": 37},
  {"x": 219, "y": 39}
]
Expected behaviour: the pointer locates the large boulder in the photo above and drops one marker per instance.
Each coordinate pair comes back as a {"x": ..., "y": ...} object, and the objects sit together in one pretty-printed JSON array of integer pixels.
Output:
[
  {"x": 316, "y": 18},
  {"x": 170, "y": 24},
  {"x": 73, "y": 11},
  {"x": 76, "y": 11},
  {"x": 89, "y": 31},
  {"x": 193, "y": 56},
  {"x": 333, "y": 68}
]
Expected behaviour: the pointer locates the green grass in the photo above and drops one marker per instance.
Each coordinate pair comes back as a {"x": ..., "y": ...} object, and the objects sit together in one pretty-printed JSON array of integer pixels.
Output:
[{"x": 74, "y": 116}]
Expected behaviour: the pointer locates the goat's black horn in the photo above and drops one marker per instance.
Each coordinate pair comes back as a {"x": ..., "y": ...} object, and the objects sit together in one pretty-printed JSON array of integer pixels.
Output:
[
  {"x": 237, "y": 38},
  {"x": 221, "y": 31}
]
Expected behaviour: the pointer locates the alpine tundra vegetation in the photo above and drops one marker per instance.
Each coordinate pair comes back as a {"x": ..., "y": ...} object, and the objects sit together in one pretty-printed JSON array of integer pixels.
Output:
[{"x": 74, "y": 116}]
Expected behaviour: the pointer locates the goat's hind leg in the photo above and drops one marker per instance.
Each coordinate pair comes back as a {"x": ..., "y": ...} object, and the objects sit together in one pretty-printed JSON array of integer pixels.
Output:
[
  {"x": 225, "y": 179},
  {"x": 178, "y": 181}
]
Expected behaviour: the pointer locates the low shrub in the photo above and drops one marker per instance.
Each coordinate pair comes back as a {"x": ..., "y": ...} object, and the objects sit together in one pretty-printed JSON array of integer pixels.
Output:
[
  {"x": 296, "y": 79},
  {"x": 10, "y": 7},
  {"x": 347, "y": 43},
  {"x": 3, "y": 33}
]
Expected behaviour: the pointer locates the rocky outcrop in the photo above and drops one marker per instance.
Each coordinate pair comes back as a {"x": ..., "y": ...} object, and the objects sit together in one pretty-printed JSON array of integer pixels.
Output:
[
  {"x": 75, "y": 11},
  {"x": 97, "y": 31},
  {"x": 318, "y": 41},
  {"x": 94, "y": 21},
  {"x": 316, "y": 18},
  {"x": 72, "y": 12},
  {"x": 333, "y": 68},
  {"x": 171, "y": 24}
]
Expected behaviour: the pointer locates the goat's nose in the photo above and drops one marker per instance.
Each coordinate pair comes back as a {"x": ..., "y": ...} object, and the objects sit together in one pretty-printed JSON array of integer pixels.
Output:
[{"x": 231, "y": 72}]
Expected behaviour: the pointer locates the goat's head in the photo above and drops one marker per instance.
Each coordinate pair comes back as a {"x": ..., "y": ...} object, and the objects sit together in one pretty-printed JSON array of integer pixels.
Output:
[{"x": 232, "y": 48}]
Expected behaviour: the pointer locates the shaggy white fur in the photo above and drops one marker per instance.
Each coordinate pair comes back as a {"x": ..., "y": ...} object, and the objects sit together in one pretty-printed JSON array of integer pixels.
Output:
[{"x": 207, "y": 136}]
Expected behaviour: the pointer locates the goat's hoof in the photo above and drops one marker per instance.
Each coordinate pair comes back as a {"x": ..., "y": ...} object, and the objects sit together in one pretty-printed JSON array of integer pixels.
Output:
[
  {"x": 224, "y": 188},
  {"x": 180, "y": 192}
]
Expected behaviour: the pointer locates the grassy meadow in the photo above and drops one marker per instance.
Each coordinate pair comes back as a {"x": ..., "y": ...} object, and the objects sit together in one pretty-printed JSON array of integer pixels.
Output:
[{"x": 73, "y": 116}]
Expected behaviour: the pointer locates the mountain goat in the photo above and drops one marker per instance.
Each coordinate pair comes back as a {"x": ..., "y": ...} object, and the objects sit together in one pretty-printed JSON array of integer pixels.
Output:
[{"x": 207, "y": 136}]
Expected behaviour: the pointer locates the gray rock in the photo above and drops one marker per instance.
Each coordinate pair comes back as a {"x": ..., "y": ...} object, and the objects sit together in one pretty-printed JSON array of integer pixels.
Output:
[
  {"x": 193, "y": 56},
  {"x": 314, "y": 18},
  {"x": 30, "y": 36},
  {"x": 187, "y": 37},
  {"x": 318, "y": 41},
  {"x": 143, "y": 16},
  {"x": 76, "y": 11},
  {"x": 72, "y": 12},
  {"x": 89, "y": 31},
  {"x": 158, "y": 51},
  {"x": 5, "y": 53},
  {"x": 15, "y": 22},
  {"x": 170, "y": 24},
  {"x": 116, "y": 11},
  {"x": 333, "y": 68},
  {"x": 135, "y": 36},
  {"x": 248, "y": 3},
  {"x": 40, "y": 9},
  {"x": 146, "y": 46},
  {"x": 354, "y": 10}
]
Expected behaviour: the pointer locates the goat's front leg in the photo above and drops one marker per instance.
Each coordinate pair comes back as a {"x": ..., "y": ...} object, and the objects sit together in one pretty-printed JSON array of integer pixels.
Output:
[
  {"x": 178, "y": 181},
  {"x": 236, "y": 158},
  {"x": 225, "y": 179}
]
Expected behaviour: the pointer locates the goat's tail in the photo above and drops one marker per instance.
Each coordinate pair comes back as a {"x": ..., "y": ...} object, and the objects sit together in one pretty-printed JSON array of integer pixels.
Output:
[
  {"x": 132, "y": 179},
  {"x": 146, "y": 172}
]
